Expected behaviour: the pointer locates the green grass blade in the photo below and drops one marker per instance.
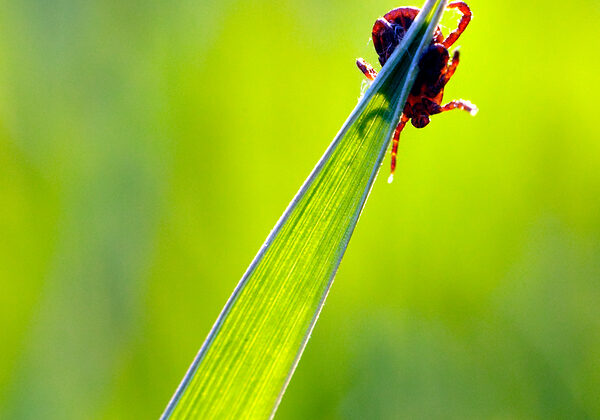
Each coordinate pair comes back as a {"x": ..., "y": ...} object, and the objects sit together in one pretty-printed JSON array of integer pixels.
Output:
[{"x": 252, "y": 350}]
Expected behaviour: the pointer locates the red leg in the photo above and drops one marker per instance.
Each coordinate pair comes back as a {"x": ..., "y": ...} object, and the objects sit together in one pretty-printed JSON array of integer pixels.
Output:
[
  {"x": 447, "y": 73},
  {"x": 462, "y": 24},
  {"x": 431, "y": 108},
  {"x": 452, "y": 67},
  {"x": 395, "y": 141},
  {"x": 366, "y": 68},
  {"x": 460, "y": 104}
]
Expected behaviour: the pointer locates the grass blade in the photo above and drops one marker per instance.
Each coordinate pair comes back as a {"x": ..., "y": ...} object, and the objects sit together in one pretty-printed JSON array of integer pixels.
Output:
[{"x": 252, "y": 350}]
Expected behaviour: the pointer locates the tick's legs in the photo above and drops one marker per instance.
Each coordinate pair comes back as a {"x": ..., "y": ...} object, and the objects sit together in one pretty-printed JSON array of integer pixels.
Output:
[
  {"x": 462, "y": 24},
  {"x": 366, "y": 68},
  {"x": 433, "y": 108},
  {"x": 395, "y": 141},
  {"x": 448, "y": 72},
  {"x": 460, "y": 104},
  {"x": 451, "y": 68}
]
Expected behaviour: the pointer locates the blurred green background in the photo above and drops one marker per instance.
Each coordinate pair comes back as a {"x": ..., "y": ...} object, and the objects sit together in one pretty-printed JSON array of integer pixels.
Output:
[{"x": 147, "y": 148}]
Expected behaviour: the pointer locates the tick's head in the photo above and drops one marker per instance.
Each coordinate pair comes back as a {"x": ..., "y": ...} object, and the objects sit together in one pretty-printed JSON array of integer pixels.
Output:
[{"x": 420, "y": 121}]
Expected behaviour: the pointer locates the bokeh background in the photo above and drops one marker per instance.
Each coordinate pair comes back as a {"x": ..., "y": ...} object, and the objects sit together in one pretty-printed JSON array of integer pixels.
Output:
[{"x": 147, "y": 148}]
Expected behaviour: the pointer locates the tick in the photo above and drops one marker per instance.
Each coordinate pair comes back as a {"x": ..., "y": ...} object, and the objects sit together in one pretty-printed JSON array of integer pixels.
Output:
[{"x": 435, "y": 68}]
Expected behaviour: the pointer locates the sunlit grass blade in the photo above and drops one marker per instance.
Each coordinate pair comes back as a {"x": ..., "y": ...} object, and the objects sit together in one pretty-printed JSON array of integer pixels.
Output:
[{"x": 252, "y": 350}]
